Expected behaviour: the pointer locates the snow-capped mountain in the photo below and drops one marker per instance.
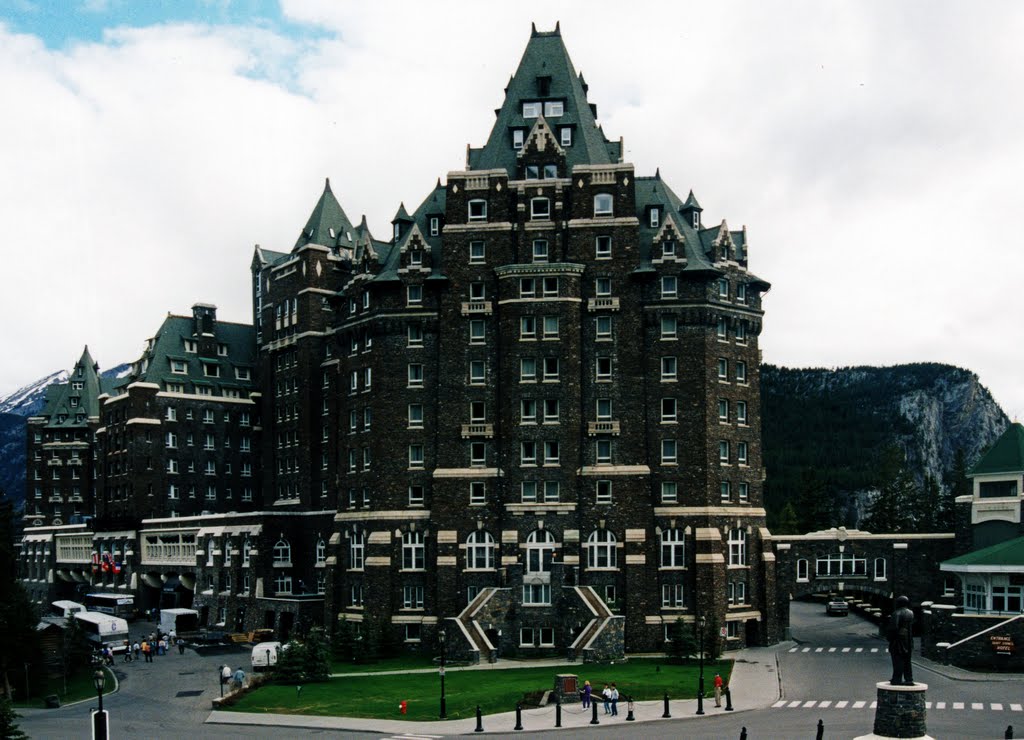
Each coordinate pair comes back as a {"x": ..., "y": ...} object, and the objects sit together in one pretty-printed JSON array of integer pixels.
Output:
[{"x": 28, "y": 400}]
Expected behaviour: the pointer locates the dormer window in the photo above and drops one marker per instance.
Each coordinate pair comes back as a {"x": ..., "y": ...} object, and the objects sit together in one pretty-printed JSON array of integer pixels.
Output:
[
  {"x": 478, "y": 210},
  {"x": 518, "y": 135},
  {"x": 531, "y": 110},
  {"x": 532, "y": 172},
  {"x": 435, "y": 225},
  {"x": 668, "y": 248},
  {"x": 696, "y": 219},
  {"x": 74, "y": 401},
  {"x": 550, "y": 172},
  {"x": 222, "y": 350},
  {"x": 190, "y": 346},
  {"x": 654, "y": 218},
  {"x": 179, "y": 367},
  {"x": 416, "y": 257},
  {"x": 553, "y": 108},
  {"x": 211, "y": 370},
  {"x": 602, "y": 204},
  {"x": 398, "y": 231},
  {"x": 540, "y": 209},
  {"x": 565, "y": 136}
]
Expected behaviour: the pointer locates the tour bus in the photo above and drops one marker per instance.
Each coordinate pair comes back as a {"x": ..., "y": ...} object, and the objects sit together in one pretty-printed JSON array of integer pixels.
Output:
[
  {"x": 66, "y": 608},
  {"x": 103, "y": 630},
  {"x": 117, "y": 605}
]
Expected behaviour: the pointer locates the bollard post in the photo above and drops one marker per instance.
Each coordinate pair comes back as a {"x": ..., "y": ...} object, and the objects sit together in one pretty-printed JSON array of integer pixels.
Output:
[
  {"x": 558, "y": 711},
  {"x": 629, "y": 703},
  {"x": 593, "y": 719},
  {"x": 743, "y": 734},
  {"x": 1009, "y": 732},
  {"x": 728, "y": 700},
  {"x": 479, "y": 720},
  {"x": 666, "y": 715},
  {"x": 700, "y": 701},
  {"x": 821, "y": 730},
  {"x": 519, "y": 717}
]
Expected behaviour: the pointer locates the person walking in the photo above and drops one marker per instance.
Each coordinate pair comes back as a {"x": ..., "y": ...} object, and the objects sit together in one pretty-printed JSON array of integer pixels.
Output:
[
  {"x": 181, "y": 646},
  {"x": 239, "y": 679},
  {"x": 127, "y": 651},
  {"x": 587, "y": 690},
  {"x": 606, "y": 694},
  {"x": 615, "y": 701},
  {"x": 136, "y": 649},
  {"x": 225, "y": 674},
  {"x": 718, "y": 689}
]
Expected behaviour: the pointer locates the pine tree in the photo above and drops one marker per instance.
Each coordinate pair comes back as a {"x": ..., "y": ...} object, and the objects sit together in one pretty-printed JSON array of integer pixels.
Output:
[
  {"x": 342, "y": 641},
  {"x": 815, "y": 509},
  {"x": 19, "y": 641},
  {"x": 893, "y": 510},
  {"x": 682, "y": 644},
  {"x": 786, "y": 523},
  {"x": 926, "y": 506},
  {"x": 956, "y": 484},
  {"x": 317, "y": 661},
  {"x": 8, "y": 721},
  {"x": 291, "y": 663}
]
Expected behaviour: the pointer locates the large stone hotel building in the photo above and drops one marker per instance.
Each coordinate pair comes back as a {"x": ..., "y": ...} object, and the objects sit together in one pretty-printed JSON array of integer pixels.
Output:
[{"x": 530, "y": 416}]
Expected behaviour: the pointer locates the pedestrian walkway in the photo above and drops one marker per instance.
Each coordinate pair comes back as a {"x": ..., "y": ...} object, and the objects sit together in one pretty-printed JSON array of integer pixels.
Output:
[
  {"x": 838, "y": 650},
  {"x": 969, "y": 706},
  {"x": 754, "y": 685}
]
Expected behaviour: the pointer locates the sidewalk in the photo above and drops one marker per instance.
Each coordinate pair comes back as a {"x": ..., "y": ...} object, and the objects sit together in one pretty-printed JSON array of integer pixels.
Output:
[
  {"x": 954, "y": 673},
  {"x": 754, "y": 685}
]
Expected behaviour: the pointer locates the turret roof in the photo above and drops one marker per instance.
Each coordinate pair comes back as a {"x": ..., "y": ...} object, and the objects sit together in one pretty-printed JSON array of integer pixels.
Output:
[
  {"x": 1006, "y": 455},
  {"x": 327, "y": 225}
]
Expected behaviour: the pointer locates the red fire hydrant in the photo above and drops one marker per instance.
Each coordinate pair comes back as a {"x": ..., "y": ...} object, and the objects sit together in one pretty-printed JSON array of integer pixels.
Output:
[{"x": 403, "y": 707}]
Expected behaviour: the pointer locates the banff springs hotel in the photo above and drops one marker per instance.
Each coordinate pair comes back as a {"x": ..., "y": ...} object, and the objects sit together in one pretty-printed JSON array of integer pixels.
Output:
[{"x": 530, "y": 416}]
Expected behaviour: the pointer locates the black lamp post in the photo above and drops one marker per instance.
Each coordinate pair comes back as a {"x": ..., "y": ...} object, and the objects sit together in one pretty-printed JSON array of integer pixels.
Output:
[
  {"x": 444, "y": 708},
  {"x": 700, "y": 657},
  {"x": 99, "y": 717},
  {"x": 98, "y": 679}
]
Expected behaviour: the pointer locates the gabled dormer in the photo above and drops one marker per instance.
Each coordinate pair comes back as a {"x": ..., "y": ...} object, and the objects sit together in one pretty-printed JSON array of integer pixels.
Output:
[
  {"x": 400, "y": 224},
  {"x": 414, "y": 251},
  {"x": 542, "y": 156},
  {"x": 691, "y": 210},
  {"x": 722, "y": 246},
  {"x": 669, "y": 242}
]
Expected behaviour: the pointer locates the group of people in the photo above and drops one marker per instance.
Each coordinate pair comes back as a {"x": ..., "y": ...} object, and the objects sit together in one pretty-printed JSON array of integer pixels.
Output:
[
  {"x": 151, "y": 645},
  {"x": 609, "y": 694},
  {"x": 234, "y": 680}
]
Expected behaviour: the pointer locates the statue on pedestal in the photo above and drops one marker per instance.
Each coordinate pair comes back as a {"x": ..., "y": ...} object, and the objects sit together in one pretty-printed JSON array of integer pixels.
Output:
[{"x": 900, "y": 633}]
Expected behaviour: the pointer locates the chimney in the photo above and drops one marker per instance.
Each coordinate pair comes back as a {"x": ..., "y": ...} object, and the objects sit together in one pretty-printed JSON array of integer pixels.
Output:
[{"x": 204, "y": 318}]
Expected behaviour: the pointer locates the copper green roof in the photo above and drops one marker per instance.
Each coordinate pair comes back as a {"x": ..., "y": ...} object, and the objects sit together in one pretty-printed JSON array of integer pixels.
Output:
[
  {"x": 71, "y": 404},
  {"x": 327, "y": 225},
  {"x": 1009, "y": 554},
  {"x": 545, "y": 63},
  {"x": 1006, "y": 455}
]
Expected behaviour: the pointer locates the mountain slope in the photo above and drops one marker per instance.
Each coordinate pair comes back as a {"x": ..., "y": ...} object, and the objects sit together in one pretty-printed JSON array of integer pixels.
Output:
[{"x": 832, "y": 426}]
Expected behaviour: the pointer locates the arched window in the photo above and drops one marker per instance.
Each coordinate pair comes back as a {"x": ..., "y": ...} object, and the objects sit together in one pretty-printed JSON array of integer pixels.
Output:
[
  {"x": 357, "y": 550},
  {"x": 801, "y": 569},
  {"x": 321, "y": 551},
  {"x": 602, "y": 204},
  {"x": 414, "y": 555},
  {"x": 879, "y": 569},
  {"x": 737, "y": 546},
  {"x": 601, "y": 551},
  {"x": 209, "y": 551},
  {"x": 282, "y": 552},
  {"x": 227, "y": 551},
  {"x": 540, "y": 549},
  {"x": 673, "y": 548},
  {"x": 246, "y": 547},
  {"x": 480, "y": 551}
]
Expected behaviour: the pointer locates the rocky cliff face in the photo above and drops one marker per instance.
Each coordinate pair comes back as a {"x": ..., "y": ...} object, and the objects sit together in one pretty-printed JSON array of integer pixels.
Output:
[{"x": 836, "y": 423}]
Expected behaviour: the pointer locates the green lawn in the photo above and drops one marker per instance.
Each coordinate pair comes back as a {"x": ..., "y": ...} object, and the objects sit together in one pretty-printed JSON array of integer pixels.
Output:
[
  {"x": 400, "y": 663},
  {"x": 494, "y": 690},
  {"x": 80, "y": 686}
]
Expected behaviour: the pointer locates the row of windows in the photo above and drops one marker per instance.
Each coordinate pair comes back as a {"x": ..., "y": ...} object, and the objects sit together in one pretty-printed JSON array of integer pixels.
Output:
[
  {"x": 244, "y": 418},
  {"x": 175, "y": 492},
  {"x": 540, "y": 208},
  {"x": 244, "y": 469},
  {"x": 840, "y": 565},
  {"x": 209, "y": 441}
]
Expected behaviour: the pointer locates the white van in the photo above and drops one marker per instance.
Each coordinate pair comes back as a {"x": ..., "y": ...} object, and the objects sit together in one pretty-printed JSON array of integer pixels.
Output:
[
  {"x": 66, "y": 608},
  {"x": 264, "y": 655},
  {"x": 180, "y": 622}
]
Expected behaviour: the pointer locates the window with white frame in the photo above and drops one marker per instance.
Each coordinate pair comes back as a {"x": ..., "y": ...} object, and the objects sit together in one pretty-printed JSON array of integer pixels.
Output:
[
  {"x": 603, "y": 369},
  {"x": 282, "y": 553},
  {"x": 603, "y": 248},
  {"x": 673, "y": 596},
  {"x": 415, "y": 375},
  {"x": 669, "y": 368},
  {"x": 668, "y": 410},
  {"x": 478, "y": 210},
  {"x": 540, "y": 209},
  {"x": 551, "y": 452},
  {"x": 282, "y": 583},
  {"x": 741, "y": 412},
  {"x": 673, "y": 548},
  {"x": 737, "y": 546},
  {"x": 413, "y": 551},
  {"x": 744, "y": 492},
  {"x": 602, "y": 204},
  {"x": 477, "y": 253},
  {"x": 540, "y": 250},
  {"x": 602, "y": 287},
  {"x": 415, "y": 456},
  {"x": 723, "y": 410},
  {"x": 413, "y": 632},
  {"x": 550, "y": 327},
  {"x": 549, "y": 286},
  {"x": 415, "y": 495},
  {"x": 669, "y": 286},
  {"x": 725, "y": 491},
  {"x": 741, "y": 332},
  {"x": 357, "y": 550},
  {"x": 601, "y": 549},
  {"x": 518, "y": 135},
  {"x": 477, "y": 454},
  {"x": 537, "y": 594},
  {"x": 723, "y": 288},
  {"x": 802, "y": 570},
  {"x": 531, "y": 110},
  {"x": 480, "y": 550},
  {"x": 553, "y": 108},
  {"x": 527, "y": 411},
  {"x": 528, "y": 491},
  {"x": 669, "y": 327},
  {"x": 552, "y": 491},
  {"x": 527, "y": 327},
  {"x": 414, "y": 334},
  {"x": 415, "y": 416},
  {"x": 540, "y": 550},
  {"x": 552, "y": 410},
  {"x": 527, "y": 370},
  {"x": 321, "y": 551},
  {"x": 879, "y": 569},
  {"x": 668, "y": 248},
  {"x": 741, "y": 293},
  {"x": 723, "y": 369},
  {"x": 565, "y": 136},
  {"x": 741, "y": 372},
  {"x": 551, "y": 366},
  {"x": 741, "y": 453},
  {"x": 477, "y": 492},
  {"x": 654, "y": 218},
  {"x": 722, "y": 329},
  {"x": 603, "y": 451},
  {"x": 477, "y": 331},
  {"x": 668, "y": 452},
  {"x": 723, "y": 452},
  {"x": 669, "y": 492},
  {"x": 603, "y": 327},
  {"x": 412, "y": 597},
  {"x": 528, "y": 452},
  {"x": 477, "y": 372}
]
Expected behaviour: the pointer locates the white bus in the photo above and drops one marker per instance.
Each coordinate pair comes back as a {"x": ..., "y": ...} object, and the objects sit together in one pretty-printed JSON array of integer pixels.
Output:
[
  {"x": 118, "y": 605},
  {"x": 103, "y": 630},
  {"x": 66, "y": 608}
]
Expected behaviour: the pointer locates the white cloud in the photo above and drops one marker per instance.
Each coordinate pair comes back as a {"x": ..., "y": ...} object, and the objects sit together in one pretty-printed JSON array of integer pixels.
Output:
[{"x": 871, "y": 148}]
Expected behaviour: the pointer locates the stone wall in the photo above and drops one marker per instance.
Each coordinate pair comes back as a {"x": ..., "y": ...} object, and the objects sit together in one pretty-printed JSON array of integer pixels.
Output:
[{"x": 999, "y": 649}]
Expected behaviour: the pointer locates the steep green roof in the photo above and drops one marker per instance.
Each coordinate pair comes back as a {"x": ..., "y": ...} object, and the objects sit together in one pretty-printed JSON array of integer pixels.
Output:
[
  {"x": 432, "y": 205},
  {"x": 327, "y": 225},
  {"x": 547, "y": 59},
  {"x": 71, "y": 404},
  {"x": 1006, "y": 554},
  {"x": 1006, "y": 455}
]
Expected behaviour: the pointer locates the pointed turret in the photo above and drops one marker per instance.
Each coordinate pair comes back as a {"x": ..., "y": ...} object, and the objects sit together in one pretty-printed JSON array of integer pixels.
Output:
[
  {"x": 327, "y": 225},
  {"x": 691, "y": 210},
  {"x": 545, "y": 84},
  {"x": 401, "y": 222},
  {"x": 72, "y": 403}
]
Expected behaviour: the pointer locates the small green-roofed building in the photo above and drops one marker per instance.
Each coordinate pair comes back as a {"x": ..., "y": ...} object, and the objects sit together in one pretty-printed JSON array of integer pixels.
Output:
[{"x": 992, "y": 578}]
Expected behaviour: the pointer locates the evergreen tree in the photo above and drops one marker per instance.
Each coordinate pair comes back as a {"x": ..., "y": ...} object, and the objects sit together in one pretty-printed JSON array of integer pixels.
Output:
[
  {"x": 815, "y": 509},
  {"x": 389, "y": 647},
  {"x": 291, "y": 663},
  {"x": 367, "y": 647},
  {"x": 712, "y": 641},
  {"x": 926, "y": 505},
  {"x": 893, "y": 510},
  {"x": 786, "y": 522},
  {"x": 682, "y": 644},
  {"x": 957, "y": 484},
  {"x": 76, "y": 648},
  {"x": 8, "y": 721},
  {"x": 19, "y": 641},
  {"x": 342, "y": 641},
  {"x": 317, "y": 661}
]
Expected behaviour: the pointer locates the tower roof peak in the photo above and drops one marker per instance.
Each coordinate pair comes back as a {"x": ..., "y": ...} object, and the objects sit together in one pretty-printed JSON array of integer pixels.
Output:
[{"x": 327, "y": 225}]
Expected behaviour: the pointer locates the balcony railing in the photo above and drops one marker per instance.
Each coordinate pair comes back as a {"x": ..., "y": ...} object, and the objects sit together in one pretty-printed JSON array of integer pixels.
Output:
[
  {"x": 477, "y": 430},
  {"x": 603, "y": 304},
  {"x": 602, "y": 427},
  {"x": 54, "y": 461},
  {"x": 481, "y": 307}
]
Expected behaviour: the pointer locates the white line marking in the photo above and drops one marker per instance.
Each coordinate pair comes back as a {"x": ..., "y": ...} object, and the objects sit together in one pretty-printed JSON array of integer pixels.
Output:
[
  {"x": 927, "y": 705},
  {"x": 809, "y": 704},
  {"x": 958, "y": 705},
  {"x": 859, "y": 704},
  {"x": 859, "y": 650},
  {"x": 806, "y": 650},
  {"x": 794, "y": 704},
  {"x": 779, "y": 703},
  {"x": 824, "y": 704},
  {"x": 996, "y": 707},
  {"x": 831, "y": 650},
  {"x": 940, "y": 705},
  {"x": 841, "y": 704},
  {"x": 846, "y": 650},
  {"x": 873, "y": 705},
  {"x": 793, "y": 650},
  {"x": 1015, "y": 707},
  {"x": 977, "y": 705},
  {"x": 818, "y": 650}
]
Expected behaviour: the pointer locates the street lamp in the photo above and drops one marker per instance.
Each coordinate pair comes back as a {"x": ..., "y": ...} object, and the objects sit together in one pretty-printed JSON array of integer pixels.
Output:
[
  {"x": 444, "y": 709},
  {"x": 98, "y": 679},
  {"x": 700, "y": 657},
  {"x": 99, "y": 717}
]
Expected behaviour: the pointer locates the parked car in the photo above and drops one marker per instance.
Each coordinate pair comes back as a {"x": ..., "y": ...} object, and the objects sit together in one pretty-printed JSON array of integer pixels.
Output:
[{"x": 837, "y": 606}]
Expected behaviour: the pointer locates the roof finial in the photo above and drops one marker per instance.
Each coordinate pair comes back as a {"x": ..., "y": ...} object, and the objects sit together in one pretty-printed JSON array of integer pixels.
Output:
[
  {"x": 327, "y": 184},
  {"x": 533, "y": 29},
  {"x": 558, "y": 29},
  {"x": 657, "y": 173}
]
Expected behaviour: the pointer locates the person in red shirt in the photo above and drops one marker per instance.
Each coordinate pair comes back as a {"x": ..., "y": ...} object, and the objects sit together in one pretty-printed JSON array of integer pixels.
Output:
[{"x": 718, "y": 689}]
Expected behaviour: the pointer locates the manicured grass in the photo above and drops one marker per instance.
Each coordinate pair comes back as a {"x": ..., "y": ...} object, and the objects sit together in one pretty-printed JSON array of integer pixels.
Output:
[
  {"x": 400, "y": 663},
  {"x": 80, "y": 686},
  {"x": 494, "y": 690}
]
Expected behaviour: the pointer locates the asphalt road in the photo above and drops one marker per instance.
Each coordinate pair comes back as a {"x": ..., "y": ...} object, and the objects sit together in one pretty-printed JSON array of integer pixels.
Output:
[{"x": 828, "y": 672}]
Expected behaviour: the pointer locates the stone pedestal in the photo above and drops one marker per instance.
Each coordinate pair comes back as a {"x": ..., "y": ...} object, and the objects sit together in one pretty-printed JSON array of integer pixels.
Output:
[
  {"x": 567, "y": 688},
  {"x": 900, "y": 712}
]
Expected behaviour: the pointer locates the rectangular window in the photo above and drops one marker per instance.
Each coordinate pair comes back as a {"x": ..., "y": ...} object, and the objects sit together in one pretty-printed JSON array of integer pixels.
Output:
[
  {"x": 741, "y": 332},
  {"x": 723, "y": 288},
  {"x": 416, "y": 495},
  {"x": 435, "y": 225},
  {"x": 668, "y": 249},
  {"x": 565, "y": 136},
  {"x": 551, "y": 410},
  {"x": 527, "y": 327},
  {"x": 741, "y": 412},
  {"x": 723, "y": 452},
  {"x": 603, "y": 287},
  {"x": 744, "y": 491},
  {"x": 477, "y": 291},
  {"x": 549, "y": 287},
  {"x": 551, "y": 451},
  {"x": 603, "y": 369},
  {"x": 603, "y": 248},
  {"x": 668, "y": 452},
  {"x": 603, "y": 327},
  {"x": 527, "y": 287},
  {"x": 550, "y": 327},
  {"x": 550, "y": 369},
  {"x": 669, "y": 327},
  {"x": 531, "y": 110},
  {"x": 603, "y": 451},
  {"x": 540, "y": 210},
  {"x": 723, "y": 369},
  {"x": 415, "y": 335},
  {"x": 478, "y": 210},
  {"x": 669, "y": 492},
  {"x": 722, "y": 330},
  {"x": 741, "y": 372},
  {"x": 476, "y": 253},
  {"x": 723, "y": 410},
  {"x": 528, "y": 453},
  {"x": 668, "y": 410},
  {"x": 528, "y": 492},
  {"x": 518, "y": 135},
  {"x": 412, "y": 597},
  {"x": 553, "y": 108},
  {"x": 654, "y": 218},
  {"x": 741, "y": 453},
  {"x": 477, "y": 492},
  {"x": 477, "y": 454},
  {"x": 527, "y": 411},
  {"x": 415, "y": 375},
  {"x": 413, "y": 632},
  {"x": 477, "y": 331},
  {"x": 741, "y": 293},
  {"x": 673, "y": 595},
  {"x": 537, "y": 594},
  {"x": 540, "y": 250},
  {"x": 669, "y": 286},
  {"x": 603, "y": 492},
  {"x": 414, "y": 295},
  {"x": 477, "y": 412},
  {"x": 416, "y": 456},
  {"x": 532, "y": 172},
  {"x": 551, "y": 491},
  {"x": 527, "y": 370},
  {"x": 668, "y": 368},
  {"x": 477, "y": 372},
  {"x": 724, "y": 491}
]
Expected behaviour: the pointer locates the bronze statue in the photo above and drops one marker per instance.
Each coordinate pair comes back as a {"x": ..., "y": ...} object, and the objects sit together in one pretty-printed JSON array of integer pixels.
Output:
[{"x": 900, "y": 634}]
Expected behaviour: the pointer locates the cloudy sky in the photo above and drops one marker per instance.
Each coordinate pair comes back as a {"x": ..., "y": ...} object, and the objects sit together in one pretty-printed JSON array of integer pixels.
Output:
[{"x": 873, "y": 149}]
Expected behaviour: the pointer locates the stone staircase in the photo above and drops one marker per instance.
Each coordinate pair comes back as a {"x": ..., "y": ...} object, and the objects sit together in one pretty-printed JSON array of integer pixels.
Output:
[
  {"x": 602, "y": 637},
  {"x": 467, "y": 625}
]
